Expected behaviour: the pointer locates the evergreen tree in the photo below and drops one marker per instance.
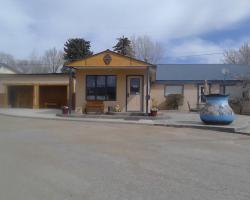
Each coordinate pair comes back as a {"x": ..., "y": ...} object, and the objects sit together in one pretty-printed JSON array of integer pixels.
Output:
[
  {"x": 76, "y": 48},
  {"x": 123, "y": 46}
]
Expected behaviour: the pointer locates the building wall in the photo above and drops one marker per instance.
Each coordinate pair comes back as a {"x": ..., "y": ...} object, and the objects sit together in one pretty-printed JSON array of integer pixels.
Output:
[
  {"x": 215, "y": 88},
  {"x": 34, "y": 79},
  {"x": 190, "y": 97},
  {"x": 120, "y": 91},
  {"x": 234, "y": 90},
  {"x": 2, "y": 95},
  {"x": 1, "y": 86},
  {"x": 157, "y": 93},
  {"x": 189, "y": 92}
]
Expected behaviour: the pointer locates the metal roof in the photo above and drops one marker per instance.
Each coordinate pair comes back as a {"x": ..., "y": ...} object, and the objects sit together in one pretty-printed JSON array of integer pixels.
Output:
[{"x": 198, "y": 72}]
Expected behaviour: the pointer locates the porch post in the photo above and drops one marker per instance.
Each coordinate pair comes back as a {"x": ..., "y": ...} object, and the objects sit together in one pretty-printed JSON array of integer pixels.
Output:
[
  {"x": 35, "y": 96},
  {"x": 70, "y": 91},
  {"x": 198, "y": 95},
  {"x": 147, "y": 95},
  {"x": 6, "y": 99}
]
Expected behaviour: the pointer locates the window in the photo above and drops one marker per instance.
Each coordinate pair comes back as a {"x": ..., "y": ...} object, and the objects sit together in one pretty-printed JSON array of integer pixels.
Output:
[
  {"x": 173, "y": 89},
  {"x": 90, "y": 89},
  {"x": 202, "y": 94},
  {"x": 134, "y": 86},
  {"x": 111, "y": 88},
  {"x": 100, "y": 87}
]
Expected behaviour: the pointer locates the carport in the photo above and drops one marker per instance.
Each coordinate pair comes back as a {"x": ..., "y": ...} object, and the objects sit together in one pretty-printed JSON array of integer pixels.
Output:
[
  {"x": 52, "y": 96},
  {"x": 20, "y": 96},
  {"x": 34, "y": 90}
]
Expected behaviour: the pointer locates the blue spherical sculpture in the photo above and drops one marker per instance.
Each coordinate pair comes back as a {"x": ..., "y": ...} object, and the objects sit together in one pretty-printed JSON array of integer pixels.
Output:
[{"x": 217, "y": 110}]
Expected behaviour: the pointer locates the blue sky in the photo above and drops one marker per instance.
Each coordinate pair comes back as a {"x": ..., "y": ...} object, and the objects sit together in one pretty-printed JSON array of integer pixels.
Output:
[{"x": 185, "y": 28}]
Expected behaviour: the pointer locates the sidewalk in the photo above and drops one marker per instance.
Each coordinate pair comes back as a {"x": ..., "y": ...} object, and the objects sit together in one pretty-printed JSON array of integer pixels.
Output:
[{"x": 166, "y": 118}]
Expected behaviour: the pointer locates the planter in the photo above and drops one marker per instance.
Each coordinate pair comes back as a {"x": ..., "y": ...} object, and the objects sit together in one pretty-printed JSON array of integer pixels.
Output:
[
  {"x": 65, "y": 110},
  {"x": 153, "y": 113},
  {"x": 217, "y": 110}
]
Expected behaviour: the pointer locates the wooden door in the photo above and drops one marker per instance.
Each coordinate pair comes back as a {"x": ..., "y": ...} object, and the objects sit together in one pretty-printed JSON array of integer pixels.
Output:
[{"x": 134, "y": 93}]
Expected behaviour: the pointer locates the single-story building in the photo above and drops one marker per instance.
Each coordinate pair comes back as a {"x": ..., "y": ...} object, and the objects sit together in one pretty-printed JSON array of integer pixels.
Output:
[
  {"x": 115, "y": 80},
  {"x": 34, "y": 90},
  {"x": 189, "y": 80},
  {"x": 112, "y": 81},
  {"x": 132, "y": 84}
]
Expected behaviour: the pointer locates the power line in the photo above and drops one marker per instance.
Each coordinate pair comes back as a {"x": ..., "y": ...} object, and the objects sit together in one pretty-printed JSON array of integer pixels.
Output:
[{"x": 205, "y": 54}]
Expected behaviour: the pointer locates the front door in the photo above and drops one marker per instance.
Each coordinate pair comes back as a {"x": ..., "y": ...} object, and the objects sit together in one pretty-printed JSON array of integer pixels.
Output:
[{"x": 134, "y": 93}]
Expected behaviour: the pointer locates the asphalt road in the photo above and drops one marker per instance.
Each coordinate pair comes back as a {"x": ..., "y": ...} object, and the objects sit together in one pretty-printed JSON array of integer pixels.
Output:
[{"x": 63, "y": 160}]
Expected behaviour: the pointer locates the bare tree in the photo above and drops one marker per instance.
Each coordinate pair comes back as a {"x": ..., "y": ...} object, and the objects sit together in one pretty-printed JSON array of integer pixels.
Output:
[
  {"x": 53, "y": 60},
  {"x": 23, "y": 66},
  {"x": 36, "y": 65},
  {"x": 240, "y": 56},
  {"x": 146, "y": 49}
]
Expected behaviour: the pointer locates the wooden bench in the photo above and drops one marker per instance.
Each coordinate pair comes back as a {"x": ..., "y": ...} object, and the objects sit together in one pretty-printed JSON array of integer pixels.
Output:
[{"x": 94, "y": 107}]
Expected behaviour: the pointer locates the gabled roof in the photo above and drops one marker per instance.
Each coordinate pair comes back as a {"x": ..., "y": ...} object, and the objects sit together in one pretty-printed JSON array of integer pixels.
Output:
[
  {"x": 3, "y": 65},
  {"x": 196, "y": 72},
  {"x": 116, "y": 60}
]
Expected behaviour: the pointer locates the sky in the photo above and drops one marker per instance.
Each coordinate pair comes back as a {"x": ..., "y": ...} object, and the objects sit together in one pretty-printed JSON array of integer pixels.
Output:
[{"x": 190, "y": 31}]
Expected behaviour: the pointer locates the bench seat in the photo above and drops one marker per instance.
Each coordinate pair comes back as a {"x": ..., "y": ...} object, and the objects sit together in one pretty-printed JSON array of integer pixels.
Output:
[{"x": 94, "y": 107}]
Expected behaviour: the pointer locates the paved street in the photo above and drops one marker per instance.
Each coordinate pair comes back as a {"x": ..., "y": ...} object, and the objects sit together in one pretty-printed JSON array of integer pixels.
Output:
[{"x": 63, "y": 160}]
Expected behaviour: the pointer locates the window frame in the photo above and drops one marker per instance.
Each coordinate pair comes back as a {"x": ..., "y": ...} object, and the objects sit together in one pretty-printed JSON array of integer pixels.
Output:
[
  {"x": 182, "y": 91},
  {"x": 105, "y": 87}
]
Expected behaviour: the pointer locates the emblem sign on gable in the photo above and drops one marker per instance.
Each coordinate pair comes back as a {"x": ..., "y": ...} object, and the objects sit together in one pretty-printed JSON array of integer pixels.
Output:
[{"x": 107, "y": 59}]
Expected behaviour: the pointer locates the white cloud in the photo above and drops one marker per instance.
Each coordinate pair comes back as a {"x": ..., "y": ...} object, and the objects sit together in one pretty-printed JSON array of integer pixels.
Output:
[{"x": 41, "y": 24}]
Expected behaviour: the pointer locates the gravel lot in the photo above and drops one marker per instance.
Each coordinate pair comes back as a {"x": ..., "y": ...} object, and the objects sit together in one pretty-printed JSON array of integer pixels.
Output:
[{"x": 63, "y": 160}]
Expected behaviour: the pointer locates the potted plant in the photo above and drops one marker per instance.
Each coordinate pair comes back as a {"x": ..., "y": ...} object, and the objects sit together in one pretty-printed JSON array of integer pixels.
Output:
[
  {"x": 154, "y": 108},
  {"x": 117, "y": 108}
]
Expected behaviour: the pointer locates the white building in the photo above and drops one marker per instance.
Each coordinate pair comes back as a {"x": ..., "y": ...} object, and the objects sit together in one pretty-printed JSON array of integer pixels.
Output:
[{"x": 6, "y": 69}]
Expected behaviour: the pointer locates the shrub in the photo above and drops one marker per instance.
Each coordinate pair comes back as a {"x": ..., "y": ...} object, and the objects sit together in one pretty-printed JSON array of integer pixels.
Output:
[{"x": 174, "y": 101}]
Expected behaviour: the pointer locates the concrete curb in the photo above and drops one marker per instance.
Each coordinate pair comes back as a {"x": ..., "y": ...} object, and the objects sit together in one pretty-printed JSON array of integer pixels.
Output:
[
  {"x": 79, "y": 119},
  {"x": 236, "y": 130},
  {"x": 207, "y": 127}
]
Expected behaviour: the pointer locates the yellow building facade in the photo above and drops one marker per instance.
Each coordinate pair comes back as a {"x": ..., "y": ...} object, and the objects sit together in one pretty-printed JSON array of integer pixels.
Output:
[{"x": 115, "y": 80}]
